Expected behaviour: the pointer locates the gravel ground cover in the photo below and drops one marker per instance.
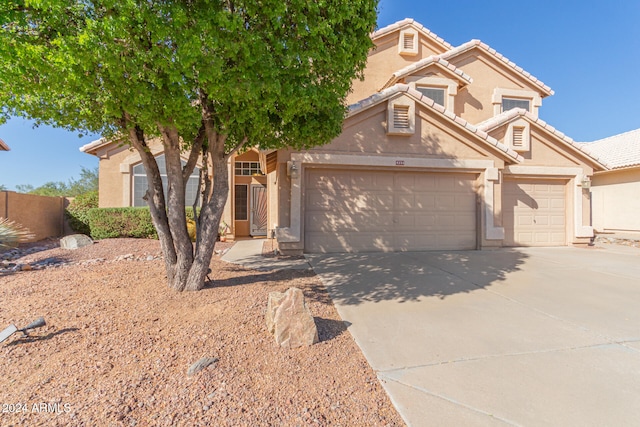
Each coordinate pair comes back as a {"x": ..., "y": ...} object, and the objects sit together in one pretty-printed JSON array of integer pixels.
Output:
[{"x": 118, "y": 344}]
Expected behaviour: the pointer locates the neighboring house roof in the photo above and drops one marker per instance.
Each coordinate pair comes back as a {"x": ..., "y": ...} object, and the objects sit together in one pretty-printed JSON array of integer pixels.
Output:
[
  {"x": 436, "y": 60},
  {"x": 408, "y": 22},
  {"x": 507, "y": 116},
  {"x": 477, "y": 44},
  {"x": 620, "y": 151},
  {"x": 94, "y": 146},
  {"x": 399, "y": 88},
  {"x": 4, "y": 146}
]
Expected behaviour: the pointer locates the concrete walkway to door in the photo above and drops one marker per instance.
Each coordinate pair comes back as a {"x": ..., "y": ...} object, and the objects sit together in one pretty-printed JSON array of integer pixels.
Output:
[{"x": 536, "y": 336}]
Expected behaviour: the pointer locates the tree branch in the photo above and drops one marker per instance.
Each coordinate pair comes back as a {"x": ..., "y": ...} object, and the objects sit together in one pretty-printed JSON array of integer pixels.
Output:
[
  {"x": 237, "y": 147},
  {"x": 196, "y": 148}
]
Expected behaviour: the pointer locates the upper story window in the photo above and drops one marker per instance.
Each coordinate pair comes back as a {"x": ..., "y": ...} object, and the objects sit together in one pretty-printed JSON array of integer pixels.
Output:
[
  {"x": 441, "y": 90},
  {"x": 248, "y": 168},
  {"x": 434, "y": 93},
  {"x": 507, "y": 99},
  {"x": 511, "y": 103},
  {"x": 140, "y": 183}
]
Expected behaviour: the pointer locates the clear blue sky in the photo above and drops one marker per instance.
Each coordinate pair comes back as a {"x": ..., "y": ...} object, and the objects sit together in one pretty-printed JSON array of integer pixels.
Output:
[{"x": 587, "y": 51}]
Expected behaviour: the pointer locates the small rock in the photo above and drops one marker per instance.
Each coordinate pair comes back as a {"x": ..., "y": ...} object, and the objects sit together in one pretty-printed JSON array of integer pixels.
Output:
[
  {"x": 26, "y": 267},
  {"x": 201, "y": 364},
  {"x": 75, "y": 241}
]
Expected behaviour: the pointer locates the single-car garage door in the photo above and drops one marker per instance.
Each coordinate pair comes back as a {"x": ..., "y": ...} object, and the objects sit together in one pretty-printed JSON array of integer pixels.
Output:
[
  {"x": 534, "y": 212},
  {"x": 372, "y": 211}
]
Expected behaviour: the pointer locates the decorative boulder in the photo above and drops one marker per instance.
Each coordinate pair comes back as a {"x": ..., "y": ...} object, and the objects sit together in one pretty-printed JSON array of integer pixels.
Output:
[
  {"x": 289, "y": 319},
  {"x": 75, "y": 241}
]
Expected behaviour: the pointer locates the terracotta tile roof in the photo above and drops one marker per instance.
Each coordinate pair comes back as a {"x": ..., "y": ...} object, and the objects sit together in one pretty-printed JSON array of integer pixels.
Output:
[
  {"x": 507, "y": 116},
  {"x": 485, "y": 47},
  {"x": 385, "y": 94},
  {"x": 425, "y": 62},
  {"x": 407, "y": 22},
  {"x": 620, "y": 151},
  {"x": 4, "y": 146}
]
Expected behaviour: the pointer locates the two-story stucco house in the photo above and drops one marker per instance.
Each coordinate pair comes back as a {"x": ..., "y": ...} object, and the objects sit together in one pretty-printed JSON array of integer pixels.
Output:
[{"x": 442, "y": 148}]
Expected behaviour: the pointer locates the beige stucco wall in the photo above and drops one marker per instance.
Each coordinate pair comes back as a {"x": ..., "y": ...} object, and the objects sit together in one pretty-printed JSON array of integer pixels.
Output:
[
  {"x": 434, "y": 137},
  {"x": 42, "y": 215},
  {"x": 365, "y": 135},
  {"x": 474, "y": 102},
  {"x": 616, "y": 201},
  {"x": 384, "y": 60},
  {"x": 116, "y": 167}
]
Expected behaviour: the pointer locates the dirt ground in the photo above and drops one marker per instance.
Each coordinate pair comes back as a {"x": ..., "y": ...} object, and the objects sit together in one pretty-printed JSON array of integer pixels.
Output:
[{"x": 118, "y": 343}]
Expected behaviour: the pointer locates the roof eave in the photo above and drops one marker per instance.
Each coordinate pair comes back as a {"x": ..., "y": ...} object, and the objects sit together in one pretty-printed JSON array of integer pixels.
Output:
[
  {"x": 508, "y": 116},
  {"x": 478, "y": 44},
  {"x": 410, "y": 22},
  {"x": 386, "y": 94}
]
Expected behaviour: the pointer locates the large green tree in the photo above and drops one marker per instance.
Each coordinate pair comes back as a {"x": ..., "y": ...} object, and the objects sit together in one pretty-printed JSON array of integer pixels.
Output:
[{"x": 207, "y": 77}]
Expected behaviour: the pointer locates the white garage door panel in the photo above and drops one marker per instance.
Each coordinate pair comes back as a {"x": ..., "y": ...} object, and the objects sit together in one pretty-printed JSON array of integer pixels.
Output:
[
  {"x": 534, "y": 212},
  {"x": 364, "y": 211}
]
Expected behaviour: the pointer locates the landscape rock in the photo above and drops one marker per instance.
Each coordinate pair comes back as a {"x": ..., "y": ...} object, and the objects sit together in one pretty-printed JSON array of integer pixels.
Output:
[
  {"x": 75, "y": 241},
  {"x": 289, "y": 319},
  {"x": 201, "y": 364}
]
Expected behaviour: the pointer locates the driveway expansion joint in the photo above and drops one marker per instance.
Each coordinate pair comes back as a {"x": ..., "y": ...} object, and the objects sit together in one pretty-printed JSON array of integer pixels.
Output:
[
  {"x": 449, "y": 399},
  {"x": 497, "y": 356}
]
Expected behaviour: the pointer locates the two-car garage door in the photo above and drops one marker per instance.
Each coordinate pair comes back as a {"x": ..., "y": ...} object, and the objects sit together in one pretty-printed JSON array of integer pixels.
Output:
[{"x": 368, "y": 211}]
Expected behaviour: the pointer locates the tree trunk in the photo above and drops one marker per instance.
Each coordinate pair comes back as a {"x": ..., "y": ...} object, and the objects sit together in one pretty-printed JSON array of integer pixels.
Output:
[
  {"x": 185, "y": 270},
  {"x": 210, "y": 216}
]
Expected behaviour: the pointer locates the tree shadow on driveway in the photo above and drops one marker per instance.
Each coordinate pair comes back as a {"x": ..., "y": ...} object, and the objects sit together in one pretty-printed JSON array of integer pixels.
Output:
[{"x": 353, "y": 279}]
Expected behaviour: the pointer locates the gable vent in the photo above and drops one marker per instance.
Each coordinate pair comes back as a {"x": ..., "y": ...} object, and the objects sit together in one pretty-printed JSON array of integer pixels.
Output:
[
  {"x": 401, "y": 117},
  {"x": 408, "y": 41},
  {"x": 518, "y": 137}
]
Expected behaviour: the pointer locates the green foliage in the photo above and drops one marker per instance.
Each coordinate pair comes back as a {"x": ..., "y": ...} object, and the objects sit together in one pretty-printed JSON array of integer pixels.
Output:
[
  {"x": 87, "y": 182},
  {"x": 11, "y": 233},
  {"x": 3, "y": 187},
  {"x": 106, "y": 223},
  {"x": 276, "y": 72},
  {"x": 78, "y": 211},
  {"x": 207, "y": 76}
]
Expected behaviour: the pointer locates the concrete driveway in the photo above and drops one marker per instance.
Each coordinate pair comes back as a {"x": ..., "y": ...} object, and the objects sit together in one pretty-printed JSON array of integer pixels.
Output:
[{"x": 535, "y": 336}]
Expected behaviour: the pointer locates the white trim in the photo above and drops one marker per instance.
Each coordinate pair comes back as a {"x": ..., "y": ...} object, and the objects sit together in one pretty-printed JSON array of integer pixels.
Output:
[
  {"x": 410, "y": 104},
  {"x": 402, "y": 50},
  {"x": 293, "y": 233},
  {"x": 576, "y": 174},
  {"x": 499, "y": 93},
  {"x": 491, "y": 175},
  {"x": 526, "y": 135}
]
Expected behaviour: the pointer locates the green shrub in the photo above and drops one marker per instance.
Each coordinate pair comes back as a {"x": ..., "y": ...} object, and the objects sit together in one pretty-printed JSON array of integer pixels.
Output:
[
  {"x": 108, "y": 223},
  {"x": 77, "y": 211}
]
